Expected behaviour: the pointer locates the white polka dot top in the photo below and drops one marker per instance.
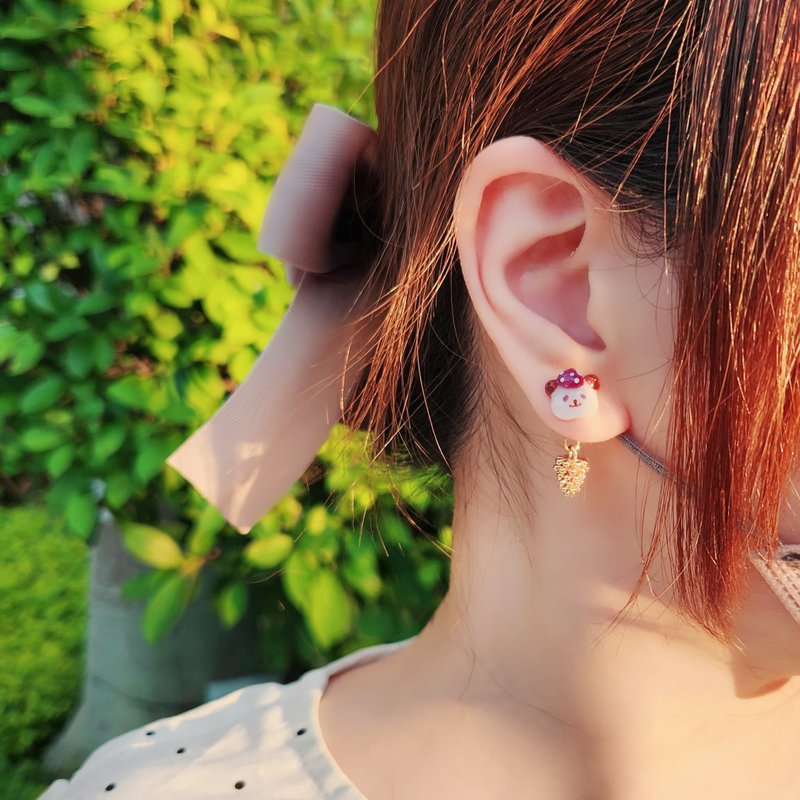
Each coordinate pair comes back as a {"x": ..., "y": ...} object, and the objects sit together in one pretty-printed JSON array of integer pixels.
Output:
[{"x": 262, "y": 741}]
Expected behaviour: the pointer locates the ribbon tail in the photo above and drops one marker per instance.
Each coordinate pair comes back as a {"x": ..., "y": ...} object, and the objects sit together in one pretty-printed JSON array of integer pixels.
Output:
[{"x": 248, "y": 455}]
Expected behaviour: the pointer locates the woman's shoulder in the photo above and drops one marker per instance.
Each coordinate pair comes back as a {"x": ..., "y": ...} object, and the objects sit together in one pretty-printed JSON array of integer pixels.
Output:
[{"x": 261, "y": 737}]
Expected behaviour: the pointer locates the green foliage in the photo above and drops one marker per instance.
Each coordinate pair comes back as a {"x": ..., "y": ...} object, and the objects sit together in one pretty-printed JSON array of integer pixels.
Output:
[
  {"x": 43, "y": 589},
  {"x": 22, "y": 780},
  {"x": 138, "y": 144}
]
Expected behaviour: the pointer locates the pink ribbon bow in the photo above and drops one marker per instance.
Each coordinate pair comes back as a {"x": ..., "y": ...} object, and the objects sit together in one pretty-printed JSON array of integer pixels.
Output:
[{"x": 249, "y": 454}]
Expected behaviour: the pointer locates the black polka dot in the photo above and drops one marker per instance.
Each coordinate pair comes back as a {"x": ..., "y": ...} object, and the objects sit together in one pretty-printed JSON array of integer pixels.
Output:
[
  {"x": 110, "y": 786},
  {"x": 301, "y": 731},
  {"x": 150, "y": 733},
  {"x": 238, "y": 785},
  {"x": 181, "y": 750}
]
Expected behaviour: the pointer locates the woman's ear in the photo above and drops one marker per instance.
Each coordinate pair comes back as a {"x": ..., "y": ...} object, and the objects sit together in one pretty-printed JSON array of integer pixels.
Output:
[{"x": 535, "y": 246}]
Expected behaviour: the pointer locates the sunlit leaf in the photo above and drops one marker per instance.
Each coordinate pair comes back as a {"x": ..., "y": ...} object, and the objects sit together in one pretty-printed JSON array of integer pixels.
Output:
[{"x": 151, "y": 545}]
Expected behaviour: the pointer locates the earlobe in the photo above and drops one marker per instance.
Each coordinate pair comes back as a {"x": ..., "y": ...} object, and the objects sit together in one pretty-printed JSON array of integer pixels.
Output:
[{"x": 526, "y": 228}]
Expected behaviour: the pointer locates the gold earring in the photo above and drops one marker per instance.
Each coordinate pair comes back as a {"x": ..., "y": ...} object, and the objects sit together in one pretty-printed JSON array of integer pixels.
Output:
[
  {"x": 572, "y": 396},
  {"x": 571, "y": 470}
]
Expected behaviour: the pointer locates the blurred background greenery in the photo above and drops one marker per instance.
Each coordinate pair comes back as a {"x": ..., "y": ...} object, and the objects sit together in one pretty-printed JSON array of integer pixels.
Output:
[{"x": 138, "y": 144}]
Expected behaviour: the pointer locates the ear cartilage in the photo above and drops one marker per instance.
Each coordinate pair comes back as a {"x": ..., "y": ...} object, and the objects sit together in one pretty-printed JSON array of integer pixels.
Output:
[{"x": 572, "y": 395}]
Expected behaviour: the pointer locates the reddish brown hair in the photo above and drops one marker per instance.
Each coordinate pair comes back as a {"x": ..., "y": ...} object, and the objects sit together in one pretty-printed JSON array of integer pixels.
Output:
[{"x": 686, "y": 112}]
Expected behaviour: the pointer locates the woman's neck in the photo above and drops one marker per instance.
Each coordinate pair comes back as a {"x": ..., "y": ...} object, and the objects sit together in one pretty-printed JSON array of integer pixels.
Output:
[{"x": 659, "y": 707}]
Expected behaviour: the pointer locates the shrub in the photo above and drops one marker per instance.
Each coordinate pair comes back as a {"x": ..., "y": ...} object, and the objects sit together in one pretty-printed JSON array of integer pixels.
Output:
[
  {"x": 138, "y": 144},
  {"x": 43, "y": 592},
  {"x": 21, "y": 780}
]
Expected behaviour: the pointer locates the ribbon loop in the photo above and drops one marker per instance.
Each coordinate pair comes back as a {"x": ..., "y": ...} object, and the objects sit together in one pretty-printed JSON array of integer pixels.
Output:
[
  {"x": 249, "y": 454},
  {"x": 299, "y": 225}
]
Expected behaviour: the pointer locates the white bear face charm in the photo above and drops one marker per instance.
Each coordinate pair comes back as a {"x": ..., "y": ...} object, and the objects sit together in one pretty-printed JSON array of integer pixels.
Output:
[{"x": 572, "y": 395}]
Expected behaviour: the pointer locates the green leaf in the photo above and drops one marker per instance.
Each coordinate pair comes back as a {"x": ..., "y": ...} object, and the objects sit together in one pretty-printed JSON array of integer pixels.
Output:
[
  {"x": 327, "y": 612},
  {"x": 43, "y": 163},
  {"x": 106, "y": 442},
  {"x": 231, "y": 603},
  {"x": 190, "y": 57},
  {"x": 9, "y": 338},
  {"x": 63, "y": 328},
  {"x": 183, "y": 223},
  {"x": 119, "y": 488},
  {"x": 144, "y": 394},
  {"x": 81, "y": 147},
  {"x": 78, "y": 359},
  {"x": 90, "y": 406},
  {"x": 446, "y": 537},
  {"x": 394, "y": 530},
  {"x": 361, "y": 570},
  {"x": 96, "y": 303},
  {"x": 150, "y": 459},
  {"x": 166, "y": 606},
  {"x": 325, "y": 545},
  {"x": 240, "y": 246},
  {"x": 316, "y": 519},
  {"x": 40, "y": 438},
  {"x": 11, "y": 60},
  {"x": 152, "y": 545},
  {"x": 270, "y": 552},
  {"x": 166, "y": 325},
  {"x": 129, "y": 391},
  {"x": 81, "y": 514},
  {"x": 165, "y": 351},
  {"x": 241, "y": 363},
  {"x": 59, "y": 461},
  {"x": 204, "y": 533},
  {"x": 170, "y": 10},
  {"x": 41, "y": 395},
  {"x": 204, "y": 389},
  {"x": 103, "y": 353},
  {"x": 105, "y": 6},
  {"x": 34, "y": 105},
  {"x": 377, "y": 623},
  {"x": 28, "y": 31},
  {"x": 174, "y": 293},
  {"x": 22, "y": 83},
  {"x": 429, "y": 572},
  {"x": 40, "y": 296},
  {"x": 29, "y": 351},
  {"x": 297, "y": 576},
  {"x": 64, "y": 119},
  {"x": 58, "y": 495},
  {"x": 18, "y": 135},
  {"x": 143, "y": 584},
  {"x": 148, "y": 87}
]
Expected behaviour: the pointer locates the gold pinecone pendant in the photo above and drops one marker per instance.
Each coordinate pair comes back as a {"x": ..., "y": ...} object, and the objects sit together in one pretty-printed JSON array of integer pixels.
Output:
[{"x": 571, "y": 470}]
